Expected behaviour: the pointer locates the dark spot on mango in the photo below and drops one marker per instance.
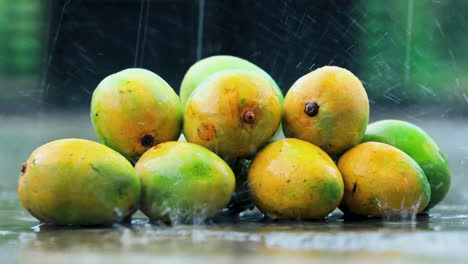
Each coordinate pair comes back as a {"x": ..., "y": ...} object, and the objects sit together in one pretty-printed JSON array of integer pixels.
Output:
[
  {"x": 248, "y": 116},
  {"x": 147, "y": 141},
  {"x": 96, "y": 114},
  {"x": 94, "y": 168},
  {"x": 24, "y": 166},
  {"x": 207, "y": 131},
  {"x": 311, "y": 109},
  {"x": 288, "y": 181},
  {"x": 354, "y": 187}
]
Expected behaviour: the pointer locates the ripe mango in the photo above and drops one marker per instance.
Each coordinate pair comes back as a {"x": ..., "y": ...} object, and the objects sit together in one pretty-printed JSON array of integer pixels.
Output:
[
  {"x": 183, "y": 183},
  {"x": 381, "y": 180},
  {"x": 327, "y": 107},
  {"x": 232, "y": 113},
  {"x": 133, "y": 110},
  {"x": 199, "y": 71},
  {"x": 421, "y": 147},
  {"x": 292, "y": 178},
  {"x": 78, "y": 182}
]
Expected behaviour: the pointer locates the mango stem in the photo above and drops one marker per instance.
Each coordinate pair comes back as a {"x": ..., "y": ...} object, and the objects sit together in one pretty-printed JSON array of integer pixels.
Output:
[
  {"x": 249, "y": 117},
  {"x": 311, "y": 109}
]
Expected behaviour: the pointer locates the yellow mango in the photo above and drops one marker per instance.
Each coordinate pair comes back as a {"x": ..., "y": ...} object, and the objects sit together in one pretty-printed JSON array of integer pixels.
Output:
[
  {"x": 327, "y": 107},
  {"x": 78, "y": 182},
  {"x": 292, "y": 178},
  {"x": 381, "y": 180}
]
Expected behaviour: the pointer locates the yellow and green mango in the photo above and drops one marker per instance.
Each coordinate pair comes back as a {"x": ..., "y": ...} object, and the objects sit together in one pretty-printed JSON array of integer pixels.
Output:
[
  {"x": 78, "y": 182},
  {"x": 133, "y": 110}
]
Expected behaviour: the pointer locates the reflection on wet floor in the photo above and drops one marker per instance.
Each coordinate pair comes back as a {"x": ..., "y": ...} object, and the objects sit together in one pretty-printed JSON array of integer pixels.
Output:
[{"x": 441, "y": 235}]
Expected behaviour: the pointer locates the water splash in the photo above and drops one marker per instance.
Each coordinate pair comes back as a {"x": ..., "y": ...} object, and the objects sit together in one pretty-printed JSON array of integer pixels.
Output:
[
  {"x": 141, "y": 33},
  {"x": 201, "y": 21},
  {"x": 403, "y": 212},
  {"x": 409, "y": 32},
  {"x": 178, "y": 213}
]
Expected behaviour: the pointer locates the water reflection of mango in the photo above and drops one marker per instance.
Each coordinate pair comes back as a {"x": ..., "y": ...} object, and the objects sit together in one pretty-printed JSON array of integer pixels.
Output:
[
  {"x": 78, "y": 182},
  {"x": 381, "y": 180}
]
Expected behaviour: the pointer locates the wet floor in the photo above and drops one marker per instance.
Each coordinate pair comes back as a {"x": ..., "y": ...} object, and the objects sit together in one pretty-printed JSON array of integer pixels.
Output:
[{"x": 440, "y": 236}]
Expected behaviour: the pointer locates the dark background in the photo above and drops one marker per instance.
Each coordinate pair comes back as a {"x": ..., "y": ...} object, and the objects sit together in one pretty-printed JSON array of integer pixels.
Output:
[
  {"x": 98, "y": 38},
  {"x": 407, "y": 53}
]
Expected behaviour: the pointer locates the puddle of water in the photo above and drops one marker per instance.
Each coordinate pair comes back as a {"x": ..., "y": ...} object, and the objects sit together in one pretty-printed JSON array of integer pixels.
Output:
[{"x": 439, "y": 236}]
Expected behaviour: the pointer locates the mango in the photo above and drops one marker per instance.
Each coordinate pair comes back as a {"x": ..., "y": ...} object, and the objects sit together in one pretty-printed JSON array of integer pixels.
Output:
[
  {"x": 327, "y": 107},
  {"x": 199, "y": 71},
  {"x": 294, "y": 179},
  {"x": 133, "y": 110},
  {"x": 381, "y": 180},
  {"x": 232, "y": 113},
  {"x": 183, "y": 183},
  {"x": 421, "y": 147},
  {"x": 78, "y": 182}
]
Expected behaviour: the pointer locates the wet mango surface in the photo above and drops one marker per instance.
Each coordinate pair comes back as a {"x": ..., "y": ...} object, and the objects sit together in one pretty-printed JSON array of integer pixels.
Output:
[
  {"x": 232, "y": 113},
  {"x": 381, "y": 180},
  {"x": 294, "y": 179},
  {"x": 327, "y": 107},
  {"x": 183, "y": 182},
  {"x": 134, "y": 110},
  {"x": 421, "y": 147},
  {"x": 78, "y": 182},
  {"x": 202, "y": 69}
]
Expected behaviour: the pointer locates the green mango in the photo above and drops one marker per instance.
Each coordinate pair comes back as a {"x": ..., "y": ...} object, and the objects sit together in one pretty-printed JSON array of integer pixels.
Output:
[{"x": 199, "y": 71}]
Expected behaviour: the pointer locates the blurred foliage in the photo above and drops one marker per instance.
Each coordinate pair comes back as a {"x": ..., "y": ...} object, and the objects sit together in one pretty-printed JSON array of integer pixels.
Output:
[
  {"x": 414, "y": 51},
  {"x": 21, "y": 25}
]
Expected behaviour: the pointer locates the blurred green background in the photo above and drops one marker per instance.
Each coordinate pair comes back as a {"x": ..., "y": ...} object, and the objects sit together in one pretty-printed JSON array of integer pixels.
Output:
[{"x": 415, "y": 51}]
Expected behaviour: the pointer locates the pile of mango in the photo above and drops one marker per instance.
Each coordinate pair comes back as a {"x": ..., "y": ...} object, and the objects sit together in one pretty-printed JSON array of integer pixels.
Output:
[{"x": 232, "y": 154}]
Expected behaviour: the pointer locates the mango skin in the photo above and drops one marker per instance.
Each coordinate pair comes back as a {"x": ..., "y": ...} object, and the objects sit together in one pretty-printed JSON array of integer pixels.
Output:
[
  {"x": 78, "y": 182},
  {"x": 421, "y": 147},
  {"x": 133, "y": 110},
  {"x": 381, "y": 180},
  {"x": 291, "y": 178},
  {"x": 183, "y": 183},
  {"x": 199, "y": 71},
  {"x": 343, "y": 111},
  {"x": 214, "y": 113}
]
